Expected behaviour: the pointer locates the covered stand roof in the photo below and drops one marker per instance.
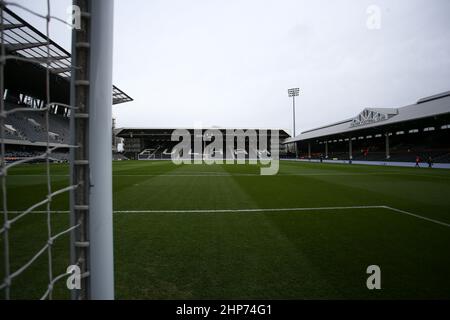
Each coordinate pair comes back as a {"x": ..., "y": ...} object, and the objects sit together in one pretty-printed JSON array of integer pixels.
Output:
[
  {"x": 429, "y": 107},
  {"x": 148, "y": 132},
  {"x": 29, "y": 45}
]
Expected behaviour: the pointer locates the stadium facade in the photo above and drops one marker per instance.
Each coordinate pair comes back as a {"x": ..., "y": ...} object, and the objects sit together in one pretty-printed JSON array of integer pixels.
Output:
[
  {"x": 384, "y": 135},
  {"x": 154, "y": 143}
]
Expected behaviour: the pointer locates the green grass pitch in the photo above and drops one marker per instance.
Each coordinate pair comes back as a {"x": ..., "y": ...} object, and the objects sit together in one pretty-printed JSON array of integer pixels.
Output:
[{"x": 165, "y": 249}]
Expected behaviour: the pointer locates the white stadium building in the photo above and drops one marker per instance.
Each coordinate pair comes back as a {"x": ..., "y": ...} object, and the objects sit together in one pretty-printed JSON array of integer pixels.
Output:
[{"x": 390, "y": 136}]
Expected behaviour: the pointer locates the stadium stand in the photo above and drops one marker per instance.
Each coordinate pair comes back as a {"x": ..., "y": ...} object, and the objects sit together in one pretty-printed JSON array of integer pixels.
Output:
[
  {"x": 31, "y": 126},
  {"x": 384, "y": 134},
  {"x": 156, "y": 144},
  {"x": 25, "y": 132}
]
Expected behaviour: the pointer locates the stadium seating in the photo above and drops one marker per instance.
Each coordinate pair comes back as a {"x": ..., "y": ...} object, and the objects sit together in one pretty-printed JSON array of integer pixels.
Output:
[
  {"x": 31, "y": 126},
  {"x": 55, "y": 156},
  {"x": 118, "y": 156},
  {"x": 398, "y": 153},
  {"x": 11, "y": 133}
]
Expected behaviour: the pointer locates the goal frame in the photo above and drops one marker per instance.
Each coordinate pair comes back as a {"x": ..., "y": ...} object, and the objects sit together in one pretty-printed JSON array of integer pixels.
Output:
[{"x": 91, "y": 161}]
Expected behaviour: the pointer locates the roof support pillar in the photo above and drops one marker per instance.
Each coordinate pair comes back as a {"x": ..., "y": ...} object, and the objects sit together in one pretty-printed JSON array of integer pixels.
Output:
[
  {"x": 350, "y": 150},
  {"x": 388, "y": 155},
  {"x": 309, "y": 150},
  {"x": 326, "y": 149}
]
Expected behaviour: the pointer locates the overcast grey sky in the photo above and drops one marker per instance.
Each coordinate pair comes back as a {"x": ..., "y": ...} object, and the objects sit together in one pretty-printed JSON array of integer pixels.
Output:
[{"x": 230, "y": 62}]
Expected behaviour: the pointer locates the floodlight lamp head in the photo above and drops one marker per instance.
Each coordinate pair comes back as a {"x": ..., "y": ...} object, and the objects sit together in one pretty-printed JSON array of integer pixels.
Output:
[{"x": 294, "y": 92}]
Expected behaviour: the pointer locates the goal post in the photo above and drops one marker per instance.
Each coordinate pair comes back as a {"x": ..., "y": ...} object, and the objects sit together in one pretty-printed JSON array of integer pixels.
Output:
[{"x": 91, "y": 162}]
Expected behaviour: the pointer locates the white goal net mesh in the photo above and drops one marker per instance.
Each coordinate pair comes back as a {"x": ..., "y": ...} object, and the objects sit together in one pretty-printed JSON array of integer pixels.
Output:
[{"x": 20, "y": 44}]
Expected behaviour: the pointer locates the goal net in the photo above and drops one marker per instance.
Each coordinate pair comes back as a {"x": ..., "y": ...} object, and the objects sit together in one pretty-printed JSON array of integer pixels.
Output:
[{"x": 56, "y": 108}]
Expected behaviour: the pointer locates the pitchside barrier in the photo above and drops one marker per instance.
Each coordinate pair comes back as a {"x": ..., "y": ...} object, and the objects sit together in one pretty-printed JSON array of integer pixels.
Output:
[{"x": 376, "y": 163}]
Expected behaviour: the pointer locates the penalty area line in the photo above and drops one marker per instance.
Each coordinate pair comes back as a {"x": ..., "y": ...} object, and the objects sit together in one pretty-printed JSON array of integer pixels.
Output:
[
  {"x": 225, "y": 210},
  {"x": 418, "y": 216},
  {"x": 249, "y": 210},
  {"x": 261, "y": 210},
  {"x": 289, "y": 209}
]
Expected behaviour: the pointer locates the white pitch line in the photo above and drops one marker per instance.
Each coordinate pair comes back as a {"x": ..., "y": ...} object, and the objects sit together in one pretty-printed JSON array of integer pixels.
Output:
[
  {"x": 228, "y": 210},
  {"x": 418, "y": 216},
  {"x": 268, "y": 210},
  {"x": 213, "y": 174},
  {"x": 249, "y": 210},
  {"x": 219, "y": 174},
  {"x": 290, "y": 209},
  {"x": 180, "y": 175}
]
